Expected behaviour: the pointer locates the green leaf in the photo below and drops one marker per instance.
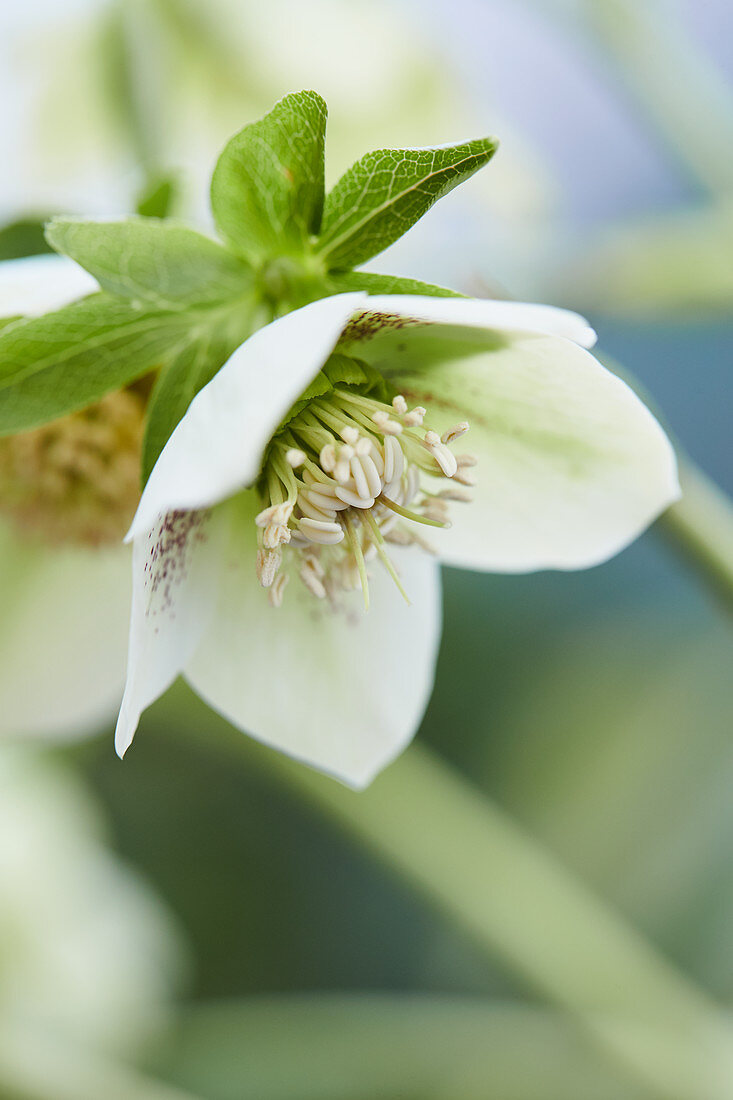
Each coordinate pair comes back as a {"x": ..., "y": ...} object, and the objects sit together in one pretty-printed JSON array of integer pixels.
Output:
[
  {"x": 179, "y": 382},
  {"x": 374, "y": 283},
  {"x": 52, "y": 365},
  {"x": 23, "y": 237},
  {"x": 386, "y": 192},
  {"x": 155, "y": 262},
  {"x": 267, "y": 188},
  {"x": 157, "y": 197}
]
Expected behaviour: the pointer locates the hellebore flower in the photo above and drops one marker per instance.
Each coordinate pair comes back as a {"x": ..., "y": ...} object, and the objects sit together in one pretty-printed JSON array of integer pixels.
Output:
[
  {"x": 317, "y": 472},
  {"x": 65, "y": 578}
]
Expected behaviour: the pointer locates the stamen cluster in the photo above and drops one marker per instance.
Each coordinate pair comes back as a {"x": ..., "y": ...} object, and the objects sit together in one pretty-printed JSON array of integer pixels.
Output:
[{"x": 338, "y": 482}]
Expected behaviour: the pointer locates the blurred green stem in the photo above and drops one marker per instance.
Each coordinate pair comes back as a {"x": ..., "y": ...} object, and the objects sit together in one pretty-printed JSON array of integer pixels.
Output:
[
  {"x": 700, "y": 526},
  {"x": 35, "y": 1066},
  {"x": 515, "y": 900}
]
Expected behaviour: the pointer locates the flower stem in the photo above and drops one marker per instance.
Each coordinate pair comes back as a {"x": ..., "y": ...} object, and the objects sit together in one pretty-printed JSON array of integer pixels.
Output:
[
  {"x": 700, "y": 526},
  {"x": 516, "y": 901}
]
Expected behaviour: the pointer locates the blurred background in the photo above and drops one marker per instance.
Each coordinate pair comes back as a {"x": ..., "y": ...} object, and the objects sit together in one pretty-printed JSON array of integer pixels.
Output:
[{"x": 186, "y": 917}]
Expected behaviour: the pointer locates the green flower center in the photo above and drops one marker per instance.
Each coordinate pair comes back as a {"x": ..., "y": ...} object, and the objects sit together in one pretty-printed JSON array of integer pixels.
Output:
[{"x": 345, "y": 478}]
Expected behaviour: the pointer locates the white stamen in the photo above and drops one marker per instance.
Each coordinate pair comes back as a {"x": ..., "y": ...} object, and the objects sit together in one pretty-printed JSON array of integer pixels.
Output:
[
  {"x": 454, "y": 493},
  {"x": 350, "y": 435},
  {"x": 277, "y": 589},
  {"x": 312, "y": 582},
  {"x": 275, "y": 534},
  {"x": 354, "y": 499},
  {"x": 465, "y": 476},
  {"x": 322, "y": 531},
  {"x": 295, "y": 458},
  {"x": 455, "y": 432},
  {"x": 466, "y": 460},
  {"x": 312, "y": 512},
  {"x": 415, "y": 417},
  {"x": 327, "y": 457},
  {"x": 371, "y": 474},
  {"x": 267, "y": 565},
  {"x": 399, "y": 404},
  {"x": 360, "y": 481},
  {"x": 276, "y": 513},
  {"x": 386, "y": 425},
  {"x": 326, "y": 500}
]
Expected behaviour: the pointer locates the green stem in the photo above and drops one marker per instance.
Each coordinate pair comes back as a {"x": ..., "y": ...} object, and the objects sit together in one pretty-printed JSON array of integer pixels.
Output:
[
  {"x": 700, "y": 527},
  {"x": 34, "y": 1066},
  {"x": 467, "y": 858}
]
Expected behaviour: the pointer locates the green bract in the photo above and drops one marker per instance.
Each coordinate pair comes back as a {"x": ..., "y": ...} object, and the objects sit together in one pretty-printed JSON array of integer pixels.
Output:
[
  {"x": 175, "y": 301},
  {"x": 156, "y": 263},
  {"x": 385, "y": 193},
  {"x": 267, "y": 188}
]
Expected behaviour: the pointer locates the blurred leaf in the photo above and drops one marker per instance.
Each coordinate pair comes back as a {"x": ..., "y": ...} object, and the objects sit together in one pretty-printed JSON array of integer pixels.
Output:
[
  {"x": 267, "y": 187},
  {"x": 62, "y": 361},
  {"x": 381, "y": 196},
  {"x": 376, "y": 1047},
  {"x": 157, "y": 197},
  {"x": 24, "y": 237},
  {"x": 157, "y": 262},
  {"x": 373, "y": 283}
]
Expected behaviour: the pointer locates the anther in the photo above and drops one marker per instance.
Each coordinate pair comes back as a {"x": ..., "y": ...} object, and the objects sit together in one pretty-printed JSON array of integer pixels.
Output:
[
  {"x": 275, "y": 534},
  {"x": 350, "y": 435},
  {"x": 277, "y": 589},
  {"x": 465, "y": 476},
  {"x": 327, "y": 457},
  {"x": 455, "y": 432},
  {"x": 322, "y": 531},
  {"x": 312, "y": 581},
  {"x": 295, "y": 457},
  {"x": 267, "y": 565},
  {"x": 399, "y": 404},
  {"x": 354, "y": 499},
  {"x": 386, "y": 425},
  {"x": 415, "y": 417},
  {"x": 454, "y": 493}
]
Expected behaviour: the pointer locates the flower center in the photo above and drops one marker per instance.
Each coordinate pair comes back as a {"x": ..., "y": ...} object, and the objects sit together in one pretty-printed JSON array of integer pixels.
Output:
[
  {"x": 77, "y": 480},
  {"x": 343, "y": 480}
]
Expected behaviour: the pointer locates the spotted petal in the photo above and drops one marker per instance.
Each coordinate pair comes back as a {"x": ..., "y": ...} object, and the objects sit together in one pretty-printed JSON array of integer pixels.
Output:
[
  {"x": 340, "y": 690},
  {"x": 40, "y": 284},
  {"x": 175, "y": 568},
  {"x": 477, "y": 313},
  {"x": 217, "y": 447},
  {"x": 571, "y": 465}
]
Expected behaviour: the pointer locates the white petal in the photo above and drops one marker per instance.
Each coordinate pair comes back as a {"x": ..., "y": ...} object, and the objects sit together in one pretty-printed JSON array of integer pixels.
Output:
[
  {"x": 174, "y": 578},
  {"x": 40, "y": 284},
  {"x": 571, "y": 465},
  {"x": 62, "y": 637},
  {"x": 217, "y": 448},
  {"x": 342, "y": 691},
  {"x": 487, "y": 314}
]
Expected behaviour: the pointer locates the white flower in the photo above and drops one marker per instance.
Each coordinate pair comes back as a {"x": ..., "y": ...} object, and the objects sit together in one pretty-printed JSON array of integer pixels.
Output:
[
  {"x": 60, "y": 656},
  {"x": 569, "y": 467}
]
